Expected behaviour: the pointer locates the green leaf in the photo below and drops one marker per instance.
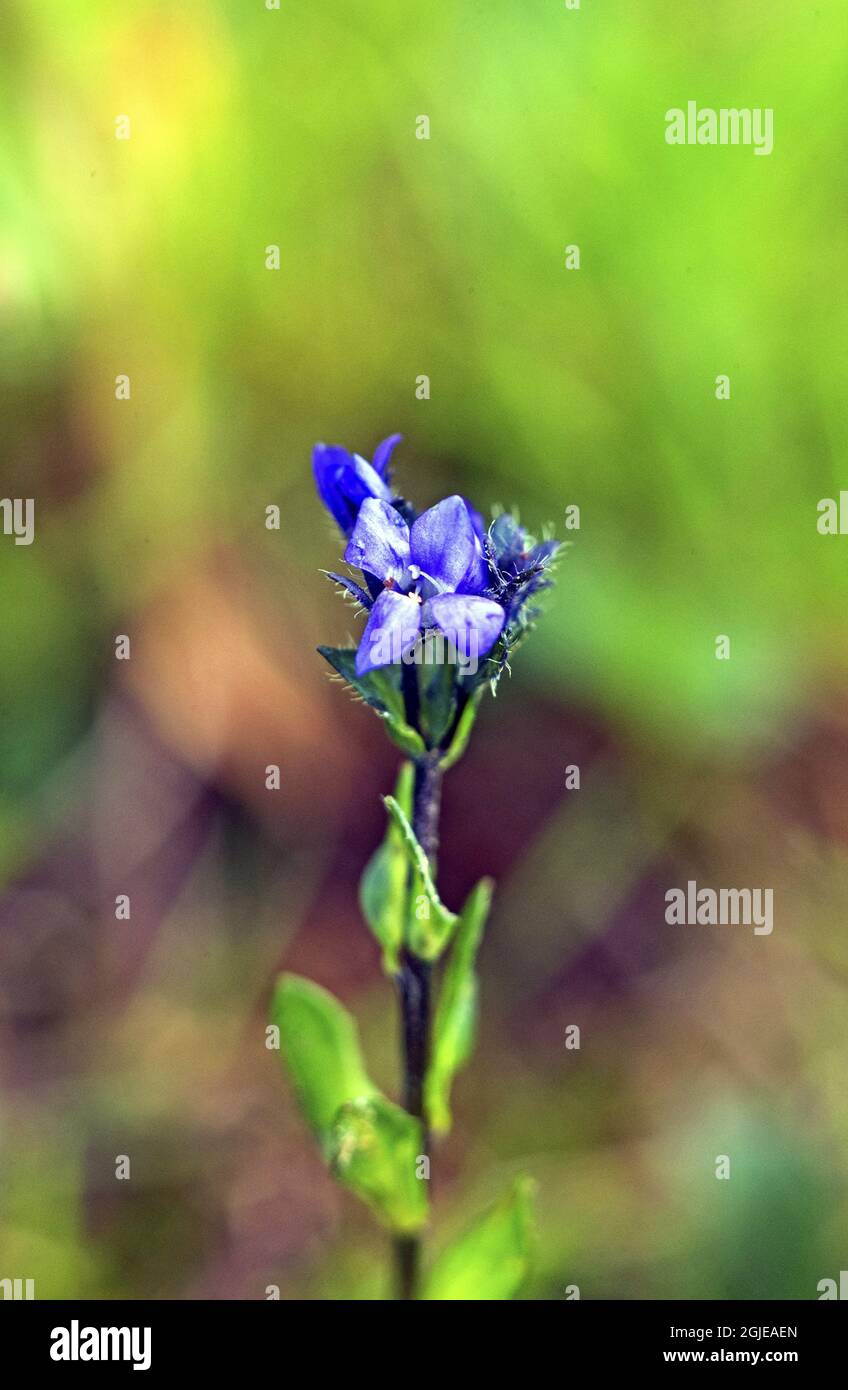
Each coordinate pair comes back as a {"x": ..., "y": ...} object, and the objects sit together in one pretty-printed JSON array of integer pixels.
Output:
[
  {"x": 375, "y": 1149},
  {"x": 320, "y": 1042},
  {"x": 381, "y": 690},
  {"x": 383, "y": 889},
  {"x": 455, "y": 1020},
  {"x": 492, "y": 1259},
  {"x": 462, "y": 733},
  {"x": 429, "y": 933}
]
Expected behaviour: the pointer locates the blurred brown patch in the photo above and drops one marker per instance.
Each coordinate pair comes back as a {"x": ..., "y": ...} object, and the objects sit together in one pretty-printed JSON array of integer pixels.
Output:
[{"x": 220, "y": 680}]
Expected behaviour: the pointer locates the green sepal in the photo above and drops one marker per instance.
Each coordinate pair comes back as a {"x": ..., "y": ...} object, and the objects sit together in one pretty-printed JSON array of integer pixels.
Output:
[
  {"x": 462, "y": 733},
  {"x": 437, "y": 693},
  {"x": 381, "y": 689},
  {"x": 427, "y": 936},
  {"x": 375, "y": 1151},
  {"x": 319, "y": 1040},
  {"x": 383, "y": 888},
  {"x": 407, "y": 739},
  {"x": 492, "y": 1259},
  {"x": 455, "y": 1021}
]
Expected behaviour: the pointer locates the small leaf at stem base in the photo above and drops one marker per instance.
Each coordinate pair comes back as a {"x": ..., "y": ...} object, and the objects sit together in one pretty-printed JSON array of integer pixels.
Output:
[
  {"x": 430, "y": 933},
  {"x": 383, "y": 886},
  {"x": 492, "y": 1259}
]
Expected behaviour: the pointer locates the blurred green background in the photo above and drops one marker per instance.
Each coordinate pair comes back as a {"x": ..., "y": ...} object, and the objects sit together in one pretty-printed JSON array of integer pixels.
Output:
[{"x": 548, "y": 387}]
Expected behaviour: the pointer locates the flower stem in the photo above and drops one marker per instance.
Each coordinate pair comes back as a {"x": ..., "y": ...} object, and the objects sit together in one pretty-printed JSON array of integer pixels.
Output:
[{"x": 414, "y": 981}]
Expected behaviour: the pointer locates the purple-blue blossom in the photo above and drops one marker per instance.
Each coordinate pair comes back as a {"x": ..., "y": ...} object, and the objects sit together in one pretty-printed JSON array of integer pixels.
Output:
[
  {"x": 444, "y": 572},
  {"x": 434, "y": 575}
]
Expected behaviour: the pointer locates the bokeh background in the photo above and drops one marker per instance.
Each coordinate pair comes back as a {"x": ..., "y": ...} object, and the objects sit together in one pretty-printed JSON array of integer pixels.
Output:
[{"x": 549, "y": 387}]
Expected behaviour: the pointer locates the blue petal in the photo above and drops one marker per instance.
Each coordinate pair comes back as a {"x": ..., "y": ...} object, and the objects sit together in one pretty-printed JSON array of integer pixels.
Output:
[
  {"x": 380, "y": 541},
  {"x": 364, "y": 481},
  {"x": 476, "y": 579},
  {"x": 442, "y": 542},
  {"x": 344, "y": 481},
  {"x": 329, "y": 464},
  {"x": 391, "y": 631},
  {"x": 476, "y": 520},
  {"x": 473, "y": 624},
  {"x": 383, "y": 454}
]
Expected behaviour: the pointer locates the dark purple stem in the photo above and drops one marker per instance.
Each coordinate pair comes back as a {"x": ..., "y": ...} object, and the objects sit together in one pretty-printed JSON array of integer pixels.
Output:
[{"x": 414, "y": 981}]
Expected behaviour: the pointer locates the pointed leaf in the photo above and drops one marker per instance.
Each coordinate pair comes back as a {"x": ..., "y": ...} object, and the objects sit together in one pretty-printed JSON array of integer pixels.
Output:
[
  {"x": 383, "y": 889},
  {"x": 455, "y": 1020},
  {"x": 429, "y": 934},
  {"x": 492, "y": 1259},
  {"x": 375, "y": 1148},
  {"x": 320, "y": 1042}
]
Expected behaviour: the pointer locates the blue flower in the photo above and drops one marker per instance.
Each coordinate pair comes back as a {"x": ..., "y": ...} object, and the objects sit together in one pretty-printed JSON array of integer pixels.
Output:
[
  {"x": 434, "y": 575},
  {"x": 345, "y": 480}
]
